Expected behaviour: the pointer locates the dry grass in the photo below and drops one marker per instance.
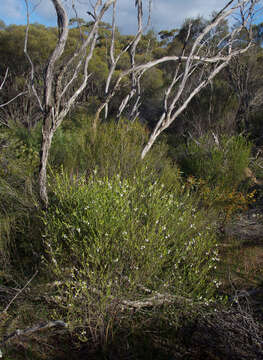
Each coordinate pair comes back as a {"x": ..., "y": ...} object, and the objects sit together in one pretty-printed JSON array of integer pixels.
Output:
[{"x": 242, "y": 264}]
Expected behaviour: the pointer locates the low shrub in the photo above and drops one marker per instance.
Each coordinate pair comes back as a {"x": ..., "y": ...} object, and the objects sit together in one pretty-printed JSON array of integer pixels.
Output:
[
  {"x": 112, "y": 243},
  {"x": 220, "y": 165},
  {"x": 224, "y": 201}
]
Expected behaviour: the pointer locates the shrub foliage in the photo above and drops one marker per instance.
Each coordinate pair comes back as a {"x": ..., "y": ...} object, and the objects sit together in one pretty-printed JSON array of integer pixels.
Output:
[{"x": 108, "y": 240}]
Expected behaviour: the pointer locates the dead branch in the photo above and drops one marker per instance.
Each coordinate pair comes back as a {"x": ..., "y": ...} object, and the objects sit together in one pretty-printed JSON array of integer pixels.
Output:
[
  {"x": 19, "y": 292},
  {"x": 14, "y": 98},
  {"x": 32, "y": 85},
  {"x": 155, "y": 298},
  {"x": 30, "y": 330},
  {"x": 219, "y": 59},
  {"x": 5, "y": 77},
  {"x": 194, "y": 62},
  {"x": 135, "y": 76}
]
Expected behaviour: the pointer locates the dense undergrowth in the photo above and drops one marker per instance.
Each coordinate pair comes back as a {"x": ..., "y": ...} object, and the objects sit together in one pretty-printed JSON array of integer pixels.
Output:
[{"x": 127, "y": 249}]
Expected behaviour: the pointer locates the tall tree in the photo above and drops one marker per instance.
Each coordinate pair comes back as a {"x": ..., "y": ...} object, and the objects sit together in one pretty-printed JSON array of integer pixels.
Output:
[
  {"x": 208, "y": 54},
  {"x": 57, "y": 98}
]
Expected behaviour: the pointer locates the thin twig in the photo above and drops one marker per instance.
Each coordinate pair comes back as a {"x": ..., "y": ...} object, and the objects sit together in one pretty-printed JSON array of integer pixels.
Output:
[
  {"x": 6, "y": 73},
  {"x": 19, "y": 292},
  {"x": 29, "y": 59}
]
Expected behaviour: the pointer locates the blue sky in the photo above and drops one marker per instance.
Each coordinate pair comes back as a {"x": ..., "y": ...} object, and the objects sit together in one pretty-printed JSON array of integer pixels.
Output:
[{"x": 166, "y": 14}]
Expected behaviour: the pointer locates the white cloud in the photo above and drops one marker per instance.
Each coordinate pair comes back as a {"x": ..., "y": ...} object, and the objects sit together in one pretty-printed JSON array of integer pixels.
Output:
[
  {"x": 169, "y": 14},
  {"x": 166, "y": 14}
]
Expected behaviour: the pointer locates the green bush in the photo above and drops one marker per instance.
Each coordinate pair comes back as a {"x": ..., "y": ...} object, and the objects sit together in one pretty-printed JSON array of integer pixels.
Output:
[
  {"x": 220, "y": 165},
  {"x": 115, "y": 148},
  {"x": 111, "y": 240}
]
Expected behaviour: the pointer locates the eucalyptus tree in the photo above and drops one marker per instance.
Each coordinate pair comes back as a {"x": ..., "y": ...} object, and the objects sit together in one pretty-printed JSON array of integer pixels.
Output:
[
  {"x": 59, "y": 78},
  {"x": 207, "y": 48},
  {"x": 201, "y": 58}
]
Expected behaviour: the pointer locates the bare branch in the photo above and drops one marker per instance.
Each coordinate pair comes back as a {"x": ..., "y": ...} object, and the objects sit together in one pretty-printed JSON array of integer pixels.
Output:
[
  {"x": 63, "y": 29},
  {"x": 135, "y": 77},
  {"x": 29, "y": 59},
  {"x": 14, "y": 98},
  {"x": 30, "y": 330},
  {"x": 20, "y": 291},
  {"x": 219, "y": 60},
  {"x": 155, "y": 298},
  {"x": 5, "y": 77}
]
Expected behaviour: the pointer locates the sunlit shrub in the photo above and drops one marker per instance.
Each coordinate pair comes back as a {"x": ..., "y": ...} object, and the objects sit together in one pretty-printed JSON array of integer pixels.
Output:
[
  {"x": 224, "y": 201},
  {"x": 111, "y": 240},
  {"x": 220, "y": 164}
]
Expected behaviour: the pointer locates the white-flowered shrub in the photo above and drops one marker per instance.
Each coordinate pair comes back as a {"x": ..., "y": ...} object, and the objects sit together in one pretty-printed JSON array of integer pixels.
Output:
[{"x": 109, "y": 240}]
